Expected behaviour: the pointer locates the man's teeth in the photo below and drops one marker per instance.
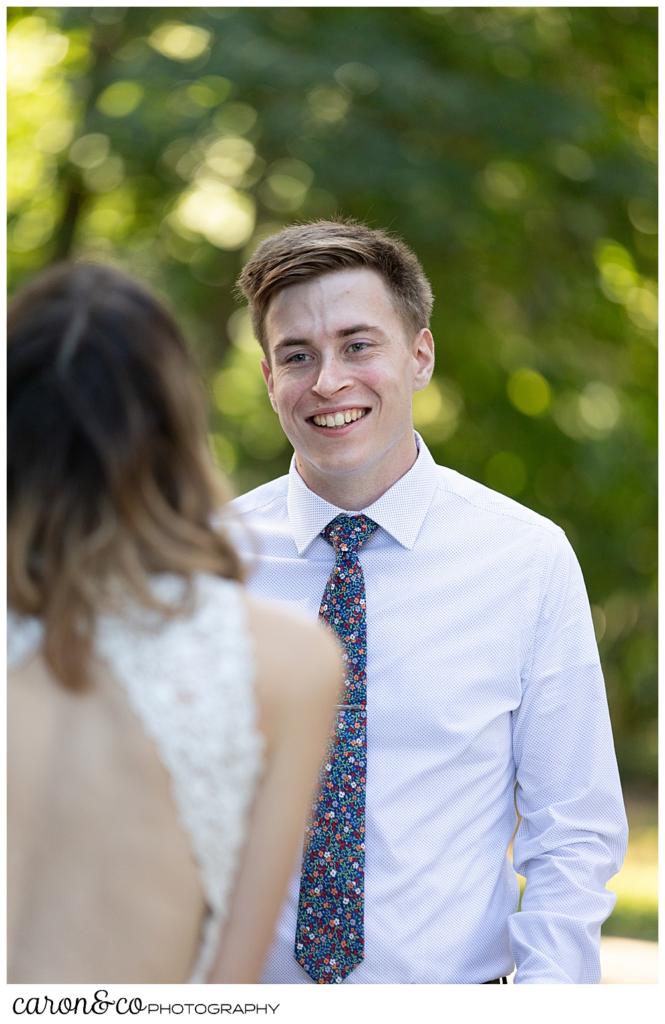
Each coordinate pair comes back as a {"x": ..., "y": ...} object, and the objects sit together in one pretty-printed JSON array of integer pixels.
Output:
[{"x": 339, "y": 419}]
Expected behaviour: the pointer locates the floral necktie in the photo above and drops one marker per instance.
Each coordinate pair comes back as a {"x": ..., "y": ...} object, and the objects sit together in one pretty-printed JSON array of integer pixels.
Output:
[{"x": 330, "y": 927}]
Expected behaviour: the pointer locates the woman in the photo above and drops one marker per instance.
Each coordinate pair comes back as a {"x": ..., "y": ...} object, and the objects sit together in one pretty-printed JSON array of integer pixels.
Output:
[{"x": 164, "y": 731}]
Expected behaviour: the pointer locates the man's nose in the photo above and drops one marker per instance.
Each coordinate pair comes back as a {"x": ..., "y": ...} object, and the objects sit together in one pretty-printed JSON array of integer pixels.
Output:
[{"x": 331, "y": 378}]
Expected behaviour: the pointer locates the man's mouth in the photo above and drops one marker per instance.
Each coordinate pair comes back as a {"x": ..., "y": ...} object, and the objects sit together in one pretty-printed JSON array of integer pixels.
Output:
[{"x": 339, "y": 419}]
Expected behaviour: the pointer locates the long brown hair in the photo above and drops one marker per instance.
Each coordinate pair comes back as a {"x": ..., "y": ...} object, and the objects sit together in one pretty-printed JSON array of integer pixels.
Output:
[{"x": 110, "y": 477}]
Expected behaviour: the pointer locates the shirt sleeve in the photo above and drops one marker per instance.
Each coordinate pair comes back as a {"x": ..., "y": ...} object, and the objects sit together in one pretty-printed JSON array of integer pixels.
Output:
[{"x": 573, "y": 831}]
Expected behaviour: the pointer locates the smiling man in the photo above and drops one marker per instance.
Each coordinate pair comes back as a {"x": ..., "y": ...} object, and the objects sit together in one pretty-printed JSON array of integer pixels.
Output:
[{"x": 473, "y": 685}]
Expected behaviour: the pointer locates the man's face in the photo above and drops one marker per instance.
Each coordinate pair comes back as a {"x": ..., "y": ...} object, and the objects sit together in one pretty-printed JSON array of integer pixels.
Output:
[{"x": 341, "y": 371}]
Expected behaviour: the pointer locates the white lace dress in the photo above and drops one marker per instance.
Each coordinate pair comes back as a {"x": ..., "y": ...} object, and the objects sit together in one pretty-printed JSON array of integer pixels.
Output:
[{"x": 190, "y": 682}]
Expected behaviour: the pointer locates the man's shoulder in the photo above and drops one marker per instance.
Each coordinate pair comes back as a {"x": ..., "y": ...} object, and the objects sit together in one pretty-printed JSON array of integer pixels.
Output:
[
  {"x": 487, "y": 502},
  {"x": 258, "y": 520},
  {"x": 262, "y": 500}
]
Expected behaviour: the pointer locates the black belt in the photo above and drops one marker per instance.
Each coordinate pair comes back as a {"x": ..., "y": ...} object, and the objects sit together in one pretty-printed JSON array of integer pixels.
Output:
[{"x": 496, "y": 981}]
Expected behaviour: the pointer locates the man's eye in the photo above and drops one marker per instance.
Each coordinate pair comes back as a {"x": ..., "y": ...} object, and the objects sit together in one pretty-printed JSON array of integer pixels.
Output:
[
  {"x": 297, "y": 357},
  {"x": 358, "y": 346}
]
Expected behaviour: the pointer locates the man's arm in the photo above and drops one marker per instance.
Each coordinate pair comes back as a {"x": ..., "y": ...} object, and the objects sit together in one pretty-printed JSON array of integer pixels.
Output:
[{"x": 573, "y": 833}]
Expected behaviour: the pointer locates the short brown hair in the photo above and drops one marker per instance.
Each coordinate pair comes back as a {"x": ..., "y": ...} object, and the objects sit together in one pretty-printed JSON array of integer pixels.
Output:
[
  {"x": 305, "y": 251},
  {"x": 109, "y": 474}
]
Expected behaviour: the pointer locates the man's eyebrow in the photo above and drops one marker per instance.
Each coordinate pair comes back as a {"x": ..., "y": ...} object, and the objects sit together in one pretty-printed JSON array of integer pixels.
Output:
[
  {"x": 344, "y": 332},
  {"x": 290, "y": 343},
  {"x": 358, "y": 329}
]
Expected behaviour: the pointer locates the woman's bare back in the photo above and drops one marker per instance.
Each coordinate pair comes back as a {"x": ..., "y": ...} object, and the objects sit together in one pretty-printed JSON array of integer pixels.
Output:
[
  {"x": 128, "y": 859},
  {"x": 102, "y": 881}
]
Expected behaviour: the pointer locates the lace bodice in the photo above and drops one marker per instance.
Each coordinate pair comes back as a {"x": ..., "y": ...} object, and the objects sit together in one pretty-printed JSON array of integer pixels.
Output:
[{"x": 190, "y": 682}]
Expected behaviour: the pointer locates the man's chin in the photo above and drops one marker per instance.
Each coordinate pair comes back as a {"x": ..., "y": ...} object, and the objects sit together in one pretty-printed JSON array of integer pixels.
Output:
[{"x": 331, "y": 469}]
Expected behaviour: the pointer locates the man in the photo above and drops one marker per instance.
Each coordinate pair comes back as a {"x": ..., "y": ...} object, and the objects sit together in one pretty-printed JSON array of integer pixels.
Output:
[{"x": 473, "y": 681}]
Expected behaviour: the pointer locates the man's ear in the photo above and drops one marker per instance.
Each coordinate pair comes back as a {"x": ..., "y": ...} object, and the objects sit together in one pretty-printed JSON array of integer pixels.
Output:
[
  {"x": 267, "y": 376},
  {"x": 423, "y": 359}
]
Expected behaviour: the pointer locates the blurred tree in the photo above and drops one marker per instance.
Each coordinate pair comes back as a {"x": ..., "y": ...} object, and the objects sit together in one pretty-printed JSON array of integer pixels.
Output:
[{"x": 513, "y": 148}]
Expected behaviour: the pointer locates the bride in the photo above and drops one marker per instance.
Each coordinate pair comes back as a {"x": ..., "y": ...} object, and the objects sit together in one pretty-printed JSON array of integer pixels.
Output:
[{"x": 165, "y": 732}]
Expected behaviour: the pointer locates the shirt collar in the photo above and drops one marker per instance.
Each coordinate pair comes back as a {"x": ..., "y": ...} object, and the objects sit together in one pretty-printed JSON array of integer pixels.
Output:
[{"x": 400, "y": 511}]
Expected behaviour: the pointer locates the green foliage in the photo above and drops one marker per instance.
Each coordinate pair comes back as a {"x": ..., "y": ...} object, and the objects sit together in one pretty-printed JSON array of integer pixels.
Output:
[{"x": 513, "y": 148}]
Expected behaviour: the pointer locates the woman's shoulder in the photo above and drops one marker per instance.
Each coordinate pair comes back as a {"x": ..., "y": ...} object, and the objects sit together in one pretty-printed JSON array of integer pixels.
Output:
[
  {"x": 295, "y": 657},
  {"x": 289, "y": 633}
]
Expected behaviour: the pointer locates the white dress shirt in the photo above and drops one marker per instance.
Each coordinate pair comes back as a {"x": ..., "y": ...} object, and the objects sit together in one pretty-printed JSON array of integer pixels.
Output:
[{"x": 484, "y": 691}]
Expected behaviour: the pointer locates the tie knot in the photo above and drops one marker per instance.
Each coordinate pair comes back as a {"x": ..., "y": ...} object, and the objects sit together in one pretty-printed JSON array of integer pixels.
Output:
[{"x": 348, "y": 533}]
